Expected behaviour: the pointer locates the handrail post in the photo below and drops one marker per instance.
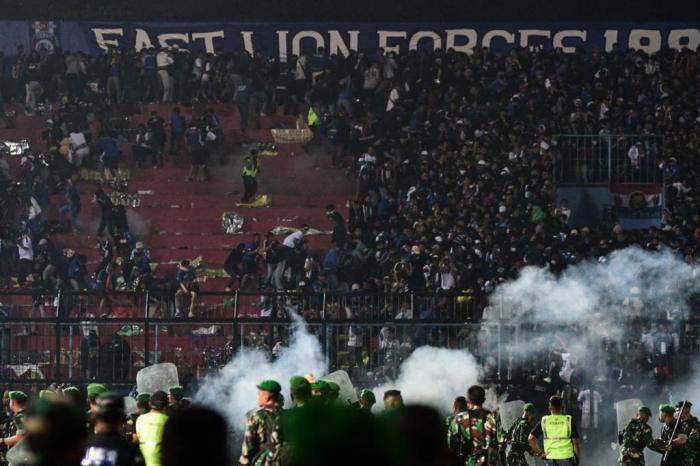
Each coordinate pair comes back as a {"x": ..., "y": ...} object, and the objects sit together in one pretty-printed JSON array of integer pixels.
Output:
[
  {"x": 147, "y": 333},
  {"x": 324, "y": 326},
  {"x": 236, "y": 325},
  {"x": 57, "y": 332}
]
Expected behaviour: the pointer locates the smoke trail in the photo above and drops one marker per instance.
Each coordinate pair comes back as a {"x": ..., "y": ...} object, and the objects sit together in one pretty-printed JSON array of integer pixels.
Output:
[
  {"x": 137, "y": 224},
  {"x": 434, "y": 377},
  {"x": 233, "y": 392}
]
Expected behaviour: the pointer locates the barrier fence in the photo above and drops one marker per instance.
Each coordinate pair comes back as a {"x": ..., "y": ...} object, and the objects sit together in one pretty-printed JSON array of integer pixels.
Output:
[{"x": 76, "y": 338}]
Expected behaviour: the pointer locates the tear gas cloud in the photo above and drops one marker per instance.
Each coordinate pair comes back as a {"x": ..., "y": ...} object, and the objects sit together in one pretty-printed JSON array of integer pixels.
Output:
[
  {"x": 233, "y": 391},
  {"x": 590, "y": 302}
]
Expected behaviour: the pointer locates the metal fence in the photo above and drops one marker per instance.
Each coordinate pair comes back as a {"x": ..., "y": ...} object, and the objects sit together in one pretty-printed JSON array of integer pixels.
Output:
[
  {"x": 606, "y": 159},
  {"x": 69, "y": 337},
  {"x": 77, "y": 337}
]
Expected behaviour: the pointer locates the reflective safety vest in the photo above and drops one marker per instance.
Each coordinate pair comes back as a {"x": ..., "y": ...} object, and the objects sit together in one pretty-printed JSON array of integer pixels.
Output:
[
  {"x": 253, "y": 171},
  {"x": 312, "y": 119},
  {"x": 149, "y": 429},
  {"x": 556, "y": 431}
]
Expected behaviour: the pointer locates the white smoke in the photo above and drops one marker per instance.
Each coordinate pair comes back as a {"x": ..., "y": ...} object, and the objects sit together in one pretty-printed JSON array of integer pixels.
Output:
[
  {"x": 591, "y": 301},
  {"x": 594, "y": 301},
  {"x": 233, "y": 392},
  {"x": 434, "y": 377}
]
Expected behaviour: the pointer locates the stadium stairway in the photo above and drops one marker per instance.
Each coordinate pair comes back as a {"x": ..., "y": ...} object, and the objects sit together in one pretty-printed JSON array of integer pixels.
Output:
[{"x": 182, "y": 220}]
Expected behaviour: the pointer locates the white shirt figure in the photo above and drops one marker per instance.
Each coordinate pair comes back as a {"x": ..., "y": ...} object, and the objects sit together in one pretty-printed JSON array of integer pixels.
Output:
[
  {"x": 291, "y": 240},
  {"x": 393, "y": 99},
  {"x": 163, "y": 59},
  {"x": 634, "y": 154},
  {"x": 26, "y": 251},
  {"x": 588, "y": 401}
]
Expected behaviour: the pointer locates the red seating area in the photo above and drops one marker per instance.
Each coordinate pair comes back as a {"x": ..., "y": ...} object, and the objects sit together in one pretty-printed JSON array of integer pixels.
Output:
[{"x": 182, "y": 220}]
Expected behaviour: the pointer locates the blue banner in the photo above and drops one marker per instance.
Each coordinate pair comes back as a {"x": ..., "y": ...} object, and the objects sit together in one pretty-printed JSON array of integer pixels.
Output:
[{"x": 285, "y": 39}]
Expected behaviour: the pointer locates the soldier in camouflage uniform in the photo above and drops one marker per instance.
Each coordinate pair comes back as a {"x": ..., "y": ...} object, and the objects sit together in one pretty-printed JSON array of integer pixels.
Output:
[
  {"x": 5, "y": 426},
  {"x": 634, "y": 438},
  {"x": 673, "y": 443},
  {"x": 18, "y": 401},
  {"x": 458, "y": 406},
  {"x": 260, "y": 424},
  {"x": 516, "y": 437},
  {"x": 176, "y": 399},
  {"x": 471, "y": 435},
  {"x": 281, "y": 452},
  {"x": 367, "y": 400},
  {"x": 690, "y": 426}
]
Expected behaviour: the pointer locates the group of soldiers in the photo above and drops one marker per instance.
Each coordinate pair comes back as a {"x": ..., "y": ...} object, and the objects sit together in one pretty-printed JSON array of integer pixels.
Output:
[
  {"x": 14, "y": 416},
  {"x": 679, "y": 442},
  {"x": 263, "y": 442},
  {"x": 475, "y": 435}
]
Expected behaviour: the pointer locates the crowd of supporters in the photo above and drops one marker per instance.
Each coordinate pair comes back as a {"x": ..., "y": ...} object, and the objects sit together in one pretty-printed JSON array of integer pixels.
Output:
[
  {"x": 453, "y": 153},
  {"x": 454, "y": 157}
]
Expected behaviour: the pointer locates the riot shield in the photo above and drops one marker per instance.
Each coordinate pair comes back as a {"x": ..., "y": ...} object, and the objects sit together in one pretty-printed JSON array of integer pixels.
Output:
[
  {"x": 21, "y": 455},
  {"x": 130, "y": 405},
  {"x": 626, "y": 410},
  {"x": 347, "y": 390},
  {"x": 510, "y": 411},
  {"x": 157, "y": 377}
]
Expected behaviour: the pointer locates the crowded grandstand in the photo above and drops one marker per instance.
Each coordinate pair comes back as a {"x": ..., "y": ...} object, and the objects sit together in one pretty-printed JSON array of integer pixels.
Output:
[{"x": 176, "y": 206}]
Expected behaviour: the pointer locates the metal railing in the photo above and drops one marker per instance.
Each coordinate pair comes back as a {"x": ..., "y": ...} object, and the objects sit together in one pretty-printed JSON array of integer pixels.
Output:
[
  {"x": 64, "y": 337},
  {"x": 78, "y": 337},
  {"x": 603, "y": 159}
]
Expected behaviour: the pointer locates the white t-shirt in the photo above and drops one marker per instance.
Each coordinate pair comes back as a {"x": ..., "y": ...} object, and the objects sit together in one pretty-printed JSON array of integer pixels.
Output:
[
  {"x": 26, "y": 251},
  {"x": 291, "y": 240},
  {"x": 634, "y": 155},
  {"x": 163, "y": 59},
  {"x": 586, "y": 400},
  {"x": 79, "y": 144},
  {"x": 393, "y": 98}
]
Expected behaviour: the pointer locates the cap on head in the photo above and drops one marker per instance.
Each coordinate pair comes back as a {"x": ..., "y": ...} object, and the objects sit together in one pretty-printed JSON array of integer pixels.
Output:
[
  {"x": 177, "y": 391},
  {"x": 18, "y": 395},
  {"x": 644, "y": 409},
  {"x": 143, "y": 397},
  {"x": 686, "y": 403},
  {"x": 666, "y": 408},
  {"x": 529, "y": 407},
  {"x": 368, "y": 395},
  {"x": 46, "y": 395},
  {"x": 270, "y": 386},
  {"x": 95, "y": 389},
  {"x": 299, "y": 383},
  {"x": 321, "y": 386}
]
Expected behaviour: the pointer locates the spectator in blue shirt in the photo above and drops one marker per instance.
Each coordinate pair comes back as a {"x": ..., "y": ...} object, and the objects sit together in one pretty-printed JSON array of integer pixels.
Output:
[
  {"x": 241, "y": 98},
  {"x": 149, "y": 75},
  {"x": 77, "y": 272},
  {"x": 186, "y": 286},
  {"x": 140, "y": 263},
  {"x": 110, "y": 155},
  {"x": 177, "y": 131},
  {"x": 72, "y": 207},
  {"x": 330, "y": 267}
]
